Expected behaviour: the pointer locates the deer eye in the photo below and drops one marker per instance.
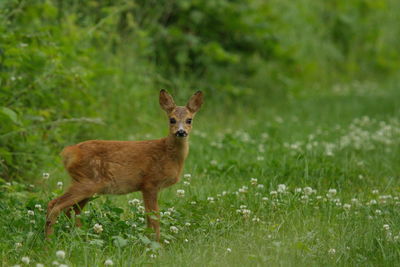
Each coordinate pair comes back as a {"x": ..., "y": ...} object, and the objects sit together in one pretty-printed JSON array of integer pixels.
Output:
[
  {"x": 172, "y": 120},
  {"x": 189, "y": 121}
]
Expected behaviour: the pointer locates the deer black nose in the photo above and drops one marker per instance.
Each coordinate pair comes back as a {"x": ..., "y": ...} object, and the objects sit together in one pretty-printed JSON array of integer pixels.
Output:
[{"x": 181, "y": 133}]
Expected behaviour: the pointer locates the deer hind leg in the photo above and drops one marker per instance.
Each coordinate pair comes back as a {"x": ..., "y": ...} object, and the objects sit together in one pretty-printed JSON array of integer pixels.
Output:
[
  {"x": 74, "y": 195},
  {"x": 77, "y": 210},
  {"x": 151, "y": 207}
]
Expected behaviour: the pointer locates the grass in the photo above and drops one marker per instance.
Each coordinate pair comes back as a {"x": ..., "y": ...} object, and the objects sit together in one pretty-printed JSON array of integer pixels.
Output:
[{"x": 347, "y": 140}]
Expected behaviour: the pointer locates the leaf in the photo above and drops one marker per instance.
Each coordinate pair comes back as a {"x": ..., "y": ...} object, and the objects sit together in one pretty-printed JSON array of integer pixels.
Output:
[
  {"x": 9, "y": 113},
  {"x": 119, "y": 241}
]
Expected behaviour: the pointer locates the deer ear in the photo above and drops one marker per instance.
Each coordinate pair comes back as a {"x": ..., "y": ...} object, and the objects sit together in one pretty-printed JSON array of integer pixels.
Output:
[
  {"x": 166, "y": 101},
  {"x": 195, "y": 102}
]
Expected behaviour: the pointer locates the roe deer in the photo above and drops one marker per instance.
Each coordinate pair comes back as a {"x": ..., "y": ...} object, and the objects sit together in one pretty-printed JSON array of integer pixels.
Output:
[{"x": 121, "y": 167}]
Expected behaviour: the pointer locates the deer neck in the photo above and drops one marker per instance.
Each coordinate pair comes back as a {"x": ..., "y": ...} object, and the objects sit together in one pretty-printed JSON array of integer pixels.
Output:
[{"x": 177, "y": 148}]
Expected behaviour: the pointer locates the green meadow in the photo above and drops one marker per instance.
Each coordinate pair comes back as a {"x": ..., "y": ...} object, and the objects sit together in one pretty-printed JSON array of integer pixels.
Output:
[{"x": 294, "y": 156}]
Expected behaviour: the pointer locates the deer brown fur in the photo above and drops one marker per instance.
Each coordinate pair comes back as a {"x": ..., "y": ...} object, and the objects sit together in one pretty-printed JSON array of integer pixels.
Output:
[{"x": 121, "y": 167}]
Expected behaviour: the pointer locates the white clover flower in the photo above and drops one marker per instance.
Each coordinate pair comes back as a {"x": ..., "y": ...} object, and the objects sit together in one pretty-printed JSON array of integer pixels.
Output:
[
  {"x": 297, "y": 190},
  {"x": 281, "y": 188},
  {"x": 186, "y": 183},
  {"x": 188, "y": 224},
  {"x": 46, "y": 175},
  {"x": 98, "y": 228},
  {"x": 60, "y": 184},
  {"x": 31, "y": 213},
  {"x": 347, "y": 206},
  {"x": 331, "y": 192},
  {"x": 253, "y": 181},
  {"x": 265, "y": 199},
  {"x": 332, "y": 251},
  {"x": 186, "y": 240},
  {"x": 260, "y": 186},
  {"x": 56, "y": 263},
  {"x": 141, "y": 219},
  {"x": 60, "y": 254},
  {"x": 134, "y": 202},
  {"x": 308, "y": 190},
  {"x": 373, "y": 202},
  {"x": 18, "y": 245},
  {"x": 193, "y": 203},
  {"x": 108, "y": 262},
  {"x": 214, "y": 162},
  {"x": 243, "y": 189},
  {"x": 246, "y": 213},
  {"x": 180, "y": 193},
  {"x": 354, "y": 200},
  {"x": 273, "y": 193},
  {"x": 318, "y": 197},
  {"x": 187, "y": 176},
  {"x": 229, "y": 250},
  {"x": 174, "y": 229},
  {"x": 63, "y": 265},
  {"x": 39, "y": 265},
  {"x": 153, "y": 256},
  {"x": 211, "y": 199},
  {"x": 243, "y": 206},
  {"x": 378, "y": 212},
  {"x": 386, "y": 227},
  {"x": 375, "y": 191},
  {"x": 26, "y": 260},
  {"x": 166, "y": 241},
  {"x": 224, "y": 193},
  {"x": 38, "y": 206},
  {"x": 256, "y": 219}
]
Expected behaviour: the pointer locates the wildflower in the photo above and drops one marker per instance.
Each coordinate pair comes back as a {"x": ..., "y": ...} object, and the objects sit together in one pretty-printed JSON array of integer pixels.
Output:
[
  {"x": 224, "y": 193},
  {"x": 56, "y": 263},
  {"x": 174, "y": 229},
  {"x": 18, "y": 245},
  {"x": 187, "y": 224},
  {"x": 255, "y": 219},
  {"x": 108, "y": 262},
  {"x": 186, "y": 240},
  {"x": 386, "y": 227},
  {"x": 186, "y": 183},
  {"x": 187, "y": 176},
  {"x": 166, "y": 241},
  {"x": 373, "y": 202},
  {"x": 180, "y": 193},
  {"x": 229, "y": 250},
  {"x": 193, "y": 203},
  {"x": 211, "y": 199},
  {"x": 378, "y": 212},
  {"x": 31, "y": 212},
  {"x": 153, "y": 256},
  {"x": 331, "y": 192},
  {"x": 273, "y": 193},
  {"x": 375, "y": 191},
  {"x": 308, "y": 190},
  {"x": 60, "y": 254},
  {"x": 141, "y": 219},
  {"x": 39, "y": 265},
  {"x": 243, "y": 206},
  {"x": 297, "y": 190},
  {"x": 60, "y": 184},
  {"x": 63, "y": 265},
  {"x": 347, "y": 206},
  {"x": 281, "y": 188},
  {"x": 318, "y": 197},
  {"x": 260, "y": 186},
  {"x": 134, "y": 202},
  {"x": 246, "y": 213},
  {"x": 25, "y": 260},
  {"x": 46, "y": 175},
  {"x": 243, "y": 189},
  {"x": 98, "y": 228},
  {"x": 332, "y": 251},
  {"x": 253, "y": 181},
  {"x": 354, "y": 200},
  {"x": 265, "y": 199},
  {"x": 38, "y": 206}
]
